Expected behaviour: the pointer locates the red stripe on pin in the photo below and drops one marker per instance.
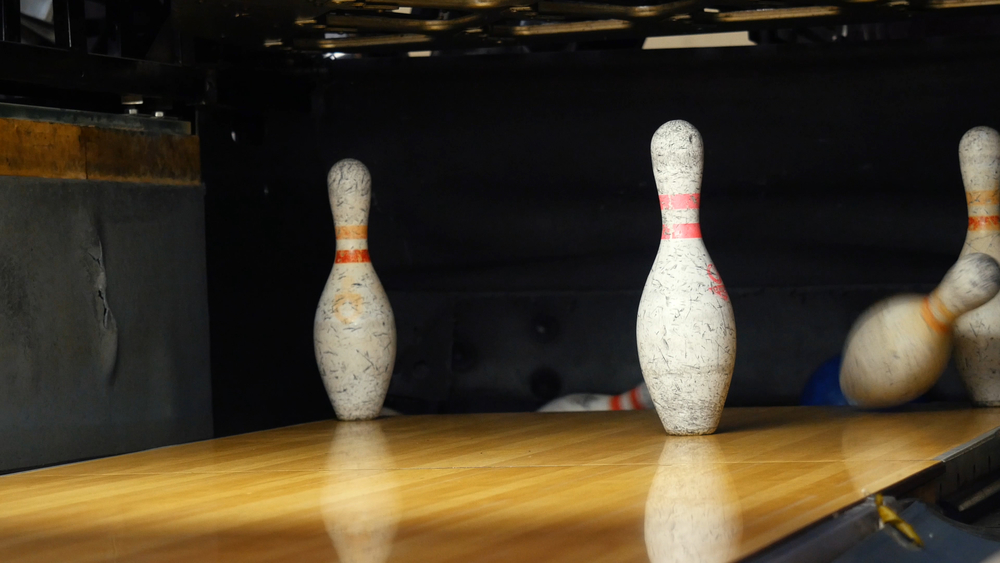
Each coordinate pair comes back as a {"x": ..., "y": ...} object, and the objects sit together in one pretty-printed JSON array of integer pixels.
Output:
[
  {"x": 681, "y": 230},
  {"x": 680, "y": 201},
  {"x": 351, "y": 256},
  {"x": 984, "y": 223},
  {"x": 634, "y": 396},
  {"x": 616, "y": 403}
]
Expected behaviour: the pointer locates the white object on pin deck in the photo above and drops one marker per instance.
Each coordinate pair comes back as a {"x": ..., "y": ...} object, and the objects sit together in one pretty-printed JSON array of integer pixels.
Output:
[{"x": 636, "y": 398}]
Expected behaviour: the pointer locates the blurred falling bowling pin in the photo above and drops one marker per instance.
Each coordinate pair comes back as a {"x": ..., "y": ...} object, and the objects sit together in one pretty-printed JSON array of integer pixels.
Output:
[
  {"x": 354, "y": 333},
  {"x": 898, "y": 348},
  {"x": 977, "y": 333},
  {"x": 685, "y": 330}
]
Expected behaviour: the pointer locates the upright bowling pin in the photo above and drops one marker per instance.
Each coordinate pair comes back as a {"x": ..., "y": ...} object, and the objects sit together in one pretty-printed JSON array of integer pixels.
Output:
[
  {"x": 685, "y": 331},
  {"x": 354, "y": 333},
  {"x": 898, "y": 348},
  {"x": 977, "y": 333}
]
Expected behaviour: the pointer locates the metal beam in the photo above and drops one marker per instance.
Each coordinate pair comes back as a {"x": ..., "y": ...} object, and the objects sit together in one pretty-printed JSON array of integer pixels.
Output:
[
  {"x": 10, "y": 20},
  {"x": 68, "y": 19}
]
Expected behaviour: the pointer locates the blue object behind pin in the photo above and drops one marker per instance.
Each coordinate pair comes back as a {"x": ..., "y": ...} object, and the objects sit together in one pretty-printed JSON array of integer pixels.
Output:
[{"x": 823, "y": 387}]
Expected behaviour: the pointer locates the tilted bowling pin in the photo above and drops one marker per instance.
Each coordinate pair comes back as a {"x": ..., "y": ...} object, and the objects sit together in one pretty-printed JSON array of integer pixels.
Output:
[
  {"x": 354, "y": 333},
  {"x": 898, "y": 348},
  {"x": 635, "y": 399},
  {"x": 685, "y": 331},
  {"x": 977, "y": 333}
]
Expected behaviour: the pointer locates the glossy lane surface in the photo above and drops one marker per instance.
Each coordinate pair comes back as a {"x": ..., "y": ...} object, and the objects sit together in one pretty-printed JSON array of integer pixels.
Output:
[{"x": 554, "y": 487}]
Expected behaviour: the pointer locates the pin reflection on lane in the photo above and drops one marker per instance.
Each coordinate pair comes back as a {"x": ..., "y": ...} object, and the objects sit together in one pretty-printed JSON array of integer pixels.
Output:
[
  {"x": 360, "y": 499},
  {"x": 692, "y": 511}
]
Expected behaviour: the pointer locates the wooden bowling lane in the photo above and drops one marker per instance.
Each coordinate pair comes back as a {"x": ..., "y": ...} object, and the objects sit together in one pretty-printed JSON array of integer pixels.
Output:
[
  {"x": 603, "y": 438},
  {"x": 516, "y": 487}
]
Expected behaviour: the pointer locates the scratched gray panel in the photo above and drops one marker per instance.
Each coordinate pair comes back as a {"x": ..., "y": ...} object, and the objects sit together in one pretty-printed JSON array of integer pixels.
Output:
[{"x": 103, "y": 319}]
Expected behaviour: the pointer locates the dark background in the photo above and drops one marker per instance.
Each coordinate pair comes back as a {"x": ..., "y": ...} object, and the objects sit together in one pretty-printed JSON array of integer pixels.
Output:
[{"x": 515, "y": 216}]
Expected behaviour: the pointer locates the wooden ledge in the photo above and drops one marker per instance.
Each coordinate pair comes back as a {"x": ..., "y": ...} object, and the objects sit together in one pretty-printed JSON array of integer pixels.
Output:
[{"x": 59, "y": 150}]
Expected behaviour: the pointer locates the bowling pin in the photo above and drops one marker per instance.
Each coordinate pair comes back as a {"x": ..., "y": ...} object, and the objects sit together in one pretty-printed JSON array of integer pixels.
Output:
[
  {"x": 635, "y": 399},
  {"x": 354, "y": 333},
  {"x": 685, "y": 330},
  {"x": 977, "y": 333},
  {"x": 898, "y": 348}
]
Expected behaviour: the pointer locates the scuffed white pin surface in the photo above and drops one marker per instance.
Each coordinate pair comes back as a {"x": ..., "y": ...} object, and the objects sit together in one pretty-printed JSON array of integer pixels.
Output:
[
  {"x": 977, "y": 333},
  {"x": 354, "y": 333},
  {"x": 685, "y": 330},
  {"x": 899, "y": 347}
]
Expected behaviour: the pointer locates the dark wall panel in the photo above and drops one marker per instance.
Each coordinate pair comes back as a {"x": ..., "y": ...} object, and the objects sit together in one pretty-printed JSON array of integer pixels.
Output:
[
  {"x": 103, "y": 319},
  {"x": 511, "y": 187}
]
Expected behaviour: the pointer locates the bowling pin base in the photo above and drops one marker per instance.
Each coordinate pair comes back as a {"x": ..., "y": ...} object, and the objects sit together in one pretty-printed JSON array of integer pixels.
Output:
[
  {"x": 986, "y": 395},
  {"x": 683, "y": 412},
  {"x": 977, "y": 354},
  {"x": 980, "y": 376},
  {"x": 694, "y": 410},
  {"x": 356, "y": 365},
  {"x": 702, "y": 430},
  {"x": 357, "y": 415}
]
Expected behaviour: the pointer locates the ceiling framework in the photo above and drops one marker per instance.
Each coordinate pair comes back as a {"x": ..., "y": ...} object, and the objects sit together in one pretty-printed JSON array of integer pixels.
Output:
[{"x": 350, "y": 26}]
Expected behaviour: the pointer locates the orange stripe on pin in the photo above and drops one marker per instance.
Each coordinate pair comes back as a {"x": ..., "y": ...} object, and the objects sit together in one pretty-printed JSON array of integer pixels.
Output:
[
  {"x": 681, "y": 230},
  {"x": 351, "y": 256},
  {"x": 352, "y": 232},
  {"x": 931, "y": 320},
  {"x": 985, "y": 223},
  {"x": 680, "y": 201},
  {"x": 984, "y": 197}
]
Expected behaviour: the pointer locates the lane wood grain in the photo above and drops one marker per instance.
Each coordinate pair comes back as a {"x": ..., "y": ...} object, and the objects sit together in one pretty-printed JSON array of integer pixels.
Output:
[{"x": 515, "y": 487}]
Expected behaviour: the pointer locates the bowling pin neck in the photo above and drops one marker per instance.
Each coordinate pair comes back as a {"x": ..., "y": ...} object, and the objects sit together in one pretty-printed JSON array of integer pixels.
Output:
[
  {"x": 984, "y": 213},
  {"x": 677, "y": 155},
  {"x": 979, "y": 158},
  {"x": 352, "y": 244},
  {"x": 352, "y": 237},
  {"x": 350, "y": 191},
  {"x": 680, "y": 216},
  {"x": 971, "y": 282},
  {"x": 936, "y": 314}
]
